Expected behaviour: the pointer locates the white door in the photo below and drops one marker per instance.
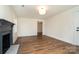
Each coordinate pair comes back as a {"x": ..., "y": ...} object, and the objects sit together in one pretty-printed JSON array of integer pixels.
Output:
[{"x": 76, "y": 28}]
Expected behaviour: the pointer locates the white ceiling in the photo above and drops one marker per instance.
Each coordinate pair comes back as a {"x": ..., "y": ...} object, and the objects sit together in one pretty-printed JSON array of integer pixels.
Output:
[{"x": 30, "y": 11}]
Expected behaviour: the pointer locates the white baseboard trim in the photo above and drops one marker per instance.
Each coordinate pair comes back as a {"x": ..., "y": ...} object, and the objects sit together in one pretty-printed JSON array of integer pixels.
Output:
[
  {"x": 61, "y": 40},
  {"x": 26, "y": 35}
]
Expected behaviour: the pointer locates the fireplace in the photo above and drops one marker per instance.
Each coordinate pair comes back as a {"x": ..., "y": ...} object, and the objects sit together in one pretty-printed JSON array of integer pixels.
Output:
[{"x": 6, "y": 37}]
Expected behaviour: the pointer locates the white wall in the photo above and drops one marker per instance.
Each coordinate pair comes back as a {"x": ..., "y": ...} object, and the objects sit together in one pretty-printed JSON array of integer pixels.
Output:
[
  {"x": 7, "y": 13},
  {"x": 27, "y": 26},
  {"x": 62, "y": 26}
]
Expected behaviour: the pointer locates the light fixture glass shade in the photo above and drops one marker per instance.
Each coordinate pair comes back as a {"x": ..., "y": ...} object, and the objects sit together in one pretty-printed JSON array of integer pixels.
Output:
[{"x": 42, "y": 10}]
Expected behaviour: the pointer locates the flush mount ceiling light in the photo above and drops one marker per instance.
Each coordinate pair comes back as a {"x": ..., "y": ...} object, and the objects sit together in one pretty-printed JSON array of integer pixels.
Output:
[{"x": 42, "y": 10}]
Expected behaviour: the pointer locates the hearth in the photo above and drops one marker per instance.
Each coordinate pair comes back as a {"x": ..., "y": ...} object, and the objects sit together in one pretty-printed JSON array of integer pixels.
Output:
[{"x": 6, "y": 37}]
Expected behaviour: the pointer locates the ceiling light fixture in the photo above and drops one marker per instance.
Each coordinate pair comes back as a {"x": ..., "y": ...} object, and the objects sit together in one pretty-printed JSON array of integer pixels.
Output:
[{"x": 42, "y": 10}]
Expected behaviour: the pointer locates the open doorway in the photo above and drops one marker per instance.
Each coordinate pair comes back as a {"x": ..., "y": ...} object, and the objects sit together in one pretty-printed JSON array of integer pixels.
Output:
[{"x": 39, "y": 29}]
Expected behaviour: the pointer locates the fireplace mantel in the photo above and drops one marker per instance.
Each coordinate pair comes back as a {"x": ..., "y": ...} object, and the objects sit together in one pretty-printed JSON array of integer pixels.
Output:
[{"x": 6, "y": 35}]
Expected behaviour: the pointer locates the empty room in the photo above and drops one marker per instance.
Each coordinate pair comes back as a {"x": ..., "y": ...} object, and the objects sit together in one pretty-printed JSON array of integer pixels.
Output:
[{"x": 39, "y": 29}]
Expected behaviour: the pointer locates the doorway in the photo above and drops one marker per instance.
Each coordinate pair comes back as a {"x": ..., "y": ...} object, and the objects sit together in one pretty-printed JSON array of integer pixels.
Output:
[{"x": 39, "y": 29}]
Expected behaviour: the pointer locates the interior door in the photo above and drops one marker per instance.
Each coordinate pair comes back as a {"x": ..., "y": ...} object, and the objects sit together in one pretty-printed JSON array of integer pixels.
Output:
[{"x": 76, "y": 28}]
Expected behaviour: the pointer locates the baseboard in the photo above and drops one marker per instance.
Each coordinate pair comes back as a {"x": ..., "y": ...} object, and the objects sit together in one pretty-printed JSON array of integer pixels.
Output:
[
  {"x": 61, "y": 40},
  {"x": 26, "y": 36}
]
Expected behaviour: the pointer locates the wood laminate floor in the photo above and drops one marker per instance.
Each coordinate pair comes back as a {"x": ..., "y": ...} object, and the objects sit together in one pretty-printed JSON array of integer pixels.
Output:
[{"x": 43, "y": 45}]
